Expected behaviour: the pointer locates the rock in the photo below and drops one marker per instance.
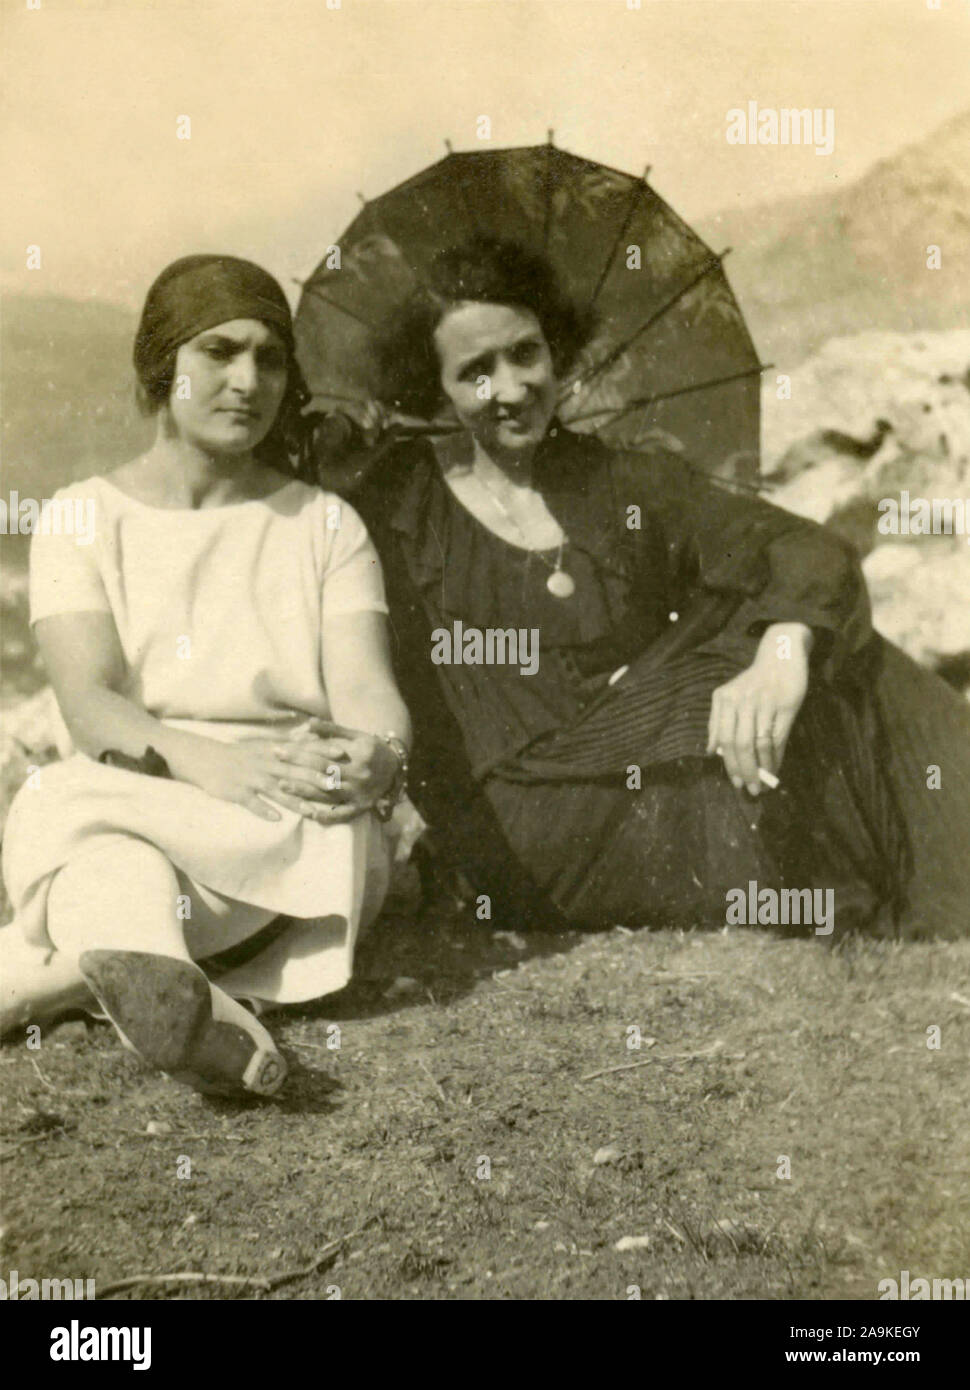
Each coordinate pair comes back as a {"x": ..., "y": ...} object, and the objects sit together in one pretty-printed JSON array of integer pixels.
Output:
[
  {"x": 42, "y": 1121},
  {"x": 513, "y": 938},
  {"x": 158, "y": 1128},
  {"x": 542, "y": 1226},
  {"x": 609, "y": 1154},
  {"x": 854, "y": 382},
  {"x": 28, "y": 739},
  {"x": 919, "y": 597},
  {"x": 632, "y": 1243},
  {"x": 33, "y": 722},
  {"x": 73, "y": 1030},
  {"x": 870, "y": 417},
  {"x": 402, "y": 986},
  {"x": 829, "y": 487},
  {"x": 825, "y": 444},
  {"x": 23, "y": 670}
]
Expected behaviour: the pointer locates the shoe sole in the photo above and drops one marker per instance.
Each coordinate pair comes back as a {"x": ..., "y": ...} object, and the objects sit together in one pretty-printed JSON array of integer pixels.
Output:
[{"x": 162, "y": 1008}]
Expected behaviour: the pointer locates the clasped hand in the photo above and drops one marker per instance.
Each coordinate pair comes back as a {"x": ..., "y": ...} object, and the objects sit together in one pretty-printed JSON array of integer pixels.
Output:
[
  {"x": 335, "y": 773},
  {"x": 326, "y": 772}
]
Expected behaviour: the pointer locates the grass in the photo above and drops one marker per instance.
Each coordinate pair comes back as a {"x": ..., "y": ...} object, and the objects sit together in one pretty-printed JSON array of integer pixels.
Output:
[{"x": 764, "y": 1049}]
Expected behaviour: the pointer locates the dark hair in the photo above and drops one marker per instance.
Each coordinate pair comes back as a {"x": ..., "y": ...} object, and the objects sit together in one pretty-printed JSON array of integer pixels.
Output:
[{"x": 485, "y": 270}]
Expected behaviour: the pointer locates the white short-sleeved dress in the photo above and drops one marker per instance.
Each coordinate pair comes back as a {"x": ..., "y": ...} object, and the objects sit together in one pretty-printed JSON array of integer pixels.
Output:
[{"x": 220, "y": 613}]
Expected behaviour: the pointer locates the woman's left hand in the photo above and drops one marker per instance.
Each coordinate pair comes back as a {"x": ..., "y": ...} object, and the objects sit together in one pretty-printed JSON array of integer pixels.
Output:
[
  {"x": 337, "y": 773},
  {"x": 753, "y": 714}
]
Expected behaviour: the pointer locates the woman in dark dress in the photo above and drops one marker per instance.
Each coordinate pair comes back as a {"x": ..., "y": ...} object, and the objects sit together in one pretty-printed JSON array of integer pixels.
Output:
[{"x": 694, "y": 645}]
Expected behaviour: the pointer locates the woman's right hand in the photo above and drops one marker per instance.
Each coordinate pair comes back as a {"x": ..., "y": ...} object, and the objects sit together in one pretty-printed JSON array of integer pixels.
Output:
[
  {"x": 349, "y": 441},
  {"x": 245, "y": 773},
  {"x": 371, "y": 418}
]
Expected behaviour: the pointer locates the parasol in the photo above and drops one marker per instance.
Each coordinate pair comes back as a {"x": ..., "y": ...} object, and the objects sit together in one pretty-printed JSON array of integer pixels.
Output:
[{"x": 671, "y": 362}]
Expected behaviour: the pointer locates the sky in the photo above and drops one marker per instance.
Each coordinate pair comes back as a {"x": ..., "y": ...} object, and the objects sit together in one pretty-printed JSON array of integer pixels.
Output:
[{"x": 295, "y": 106}]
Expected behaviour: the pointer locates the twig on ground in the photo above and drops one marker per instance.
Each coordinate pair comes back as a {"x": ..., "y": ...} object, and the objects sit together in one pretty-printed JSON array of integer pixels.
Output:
[
  {"x": 683, "y": 974},
  {"x": 608, "y": 1071},
  {"x": 179, "y": 1134},
  {"x": 49, "y": 1084},
  {"x": 427, "y": 1070},
  {"x": 331, "y": 1248},
  {"x": 503, "y": 988},
  {"x": 714, "y": 1048},
  {"x": 82, "y": 1095},
  {"x": 138, "y": 1280},
  {"x": 36, "y": 1139},
  {"x": 252, "y": 1281}
]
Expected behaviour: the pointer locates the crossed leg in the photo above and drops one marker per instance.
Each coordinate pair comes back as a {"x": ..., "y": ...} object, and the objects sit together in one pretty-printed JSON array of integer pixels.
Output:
[{"x": 127, "y": 925}]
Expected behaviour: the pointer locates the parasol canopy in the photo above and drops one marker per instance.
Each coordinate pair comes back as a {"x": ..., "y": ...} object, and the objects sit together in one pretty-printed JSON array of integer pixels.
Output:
[{"x": 671, "y": 361}]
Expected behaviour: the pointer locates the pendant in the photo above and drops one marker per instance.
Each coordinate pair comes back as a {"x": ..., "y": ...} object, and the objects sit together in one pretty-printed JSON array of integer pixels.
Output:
[{"x": 561, "y": 584}]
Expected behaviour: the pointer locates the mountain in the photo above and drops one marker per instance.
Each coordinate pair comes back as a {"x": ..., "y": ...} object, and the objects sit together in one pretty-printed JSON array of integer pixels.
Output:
[
  {"x": 67, "y": 395},
  {"x": 804, "y": 269},
  {"x": 827, "y": 265}
]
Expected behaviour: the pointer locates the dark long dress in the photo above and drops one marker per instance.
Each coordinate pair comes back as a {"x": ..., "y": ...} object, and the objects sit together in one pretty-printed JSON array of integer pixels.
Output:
[{"x": 530, "y": 782}]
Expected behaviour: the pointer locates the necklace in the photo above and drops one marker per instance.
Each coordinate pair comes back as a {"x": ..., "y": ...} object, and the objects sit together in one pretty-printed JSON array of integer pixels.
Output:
[{"x": 560, "y": 584}]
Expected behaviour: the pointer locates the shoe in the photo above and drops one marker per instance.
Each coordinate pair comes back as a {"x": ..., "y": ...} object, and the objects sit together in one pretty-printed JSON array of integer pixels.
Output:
[{"x": 166, "y": 1011}]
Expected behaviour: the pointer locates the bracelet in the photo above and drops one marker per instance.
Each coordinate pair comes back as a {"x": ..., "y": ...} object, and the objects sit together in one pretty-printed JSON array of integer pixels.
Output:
[{"x": 384, "y": 805}]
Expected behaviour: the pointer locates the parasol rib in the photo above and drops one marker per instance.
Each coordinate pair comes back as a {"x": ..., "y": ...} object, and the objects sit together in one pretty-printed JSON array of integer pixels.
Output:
[
  {"x": 639, "y": 188},
  {"x": 309, "y": 288},
  {"x": 618, "y": 411},
  {"x": 547, "y": 213},
  {"x": 617, "y": 352},
  {"x": 461, "y": 191},
  {"x": 370, "y": 208}
]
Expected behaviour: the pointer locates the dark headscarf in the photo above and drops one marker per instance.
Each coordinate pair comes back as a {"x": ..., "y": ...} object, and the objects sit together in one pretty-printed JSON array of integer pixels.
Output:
[{"x": 196, "y": 293}]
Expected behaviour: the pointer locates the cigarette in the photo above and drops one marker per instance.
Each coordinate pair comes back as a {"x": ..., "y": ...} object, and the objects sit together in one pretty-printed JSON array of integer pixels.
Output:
[{"x": 767, "y": 779}]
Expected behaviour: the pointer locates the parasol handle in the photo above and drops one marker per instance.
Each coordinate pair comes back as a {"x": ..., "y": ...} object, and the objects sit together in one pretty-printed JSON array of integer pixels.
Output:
[
  {"x": 413, "y": 427},
  {"x": 342, "y": 429}
]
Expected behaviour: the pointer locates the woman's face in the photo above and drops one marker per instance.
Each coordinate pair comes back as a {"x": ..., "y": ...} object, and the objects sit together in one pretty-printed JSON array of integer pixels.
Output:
[
  {"x": 229, "y": 384},
  {"x": 496, "y": 369}
]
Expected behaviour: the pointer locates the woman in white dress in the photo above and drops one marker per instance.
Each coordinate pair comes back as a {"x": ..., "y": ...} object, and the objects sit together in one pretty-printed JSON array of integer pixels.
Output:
[{"x": 233, "y": 737}]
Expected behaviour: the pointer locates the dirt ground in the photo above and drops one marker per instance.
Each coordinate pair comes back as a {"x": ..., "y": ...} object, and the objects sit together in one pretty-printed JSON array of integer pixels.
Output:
[{"x": 458, "y": 1145}]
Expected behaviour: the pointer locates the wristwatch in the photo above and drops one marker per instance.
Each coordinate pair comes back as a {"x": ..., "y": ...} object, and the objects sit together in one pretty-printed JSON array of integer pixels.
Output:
[{"x": 384, "y": 806}]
